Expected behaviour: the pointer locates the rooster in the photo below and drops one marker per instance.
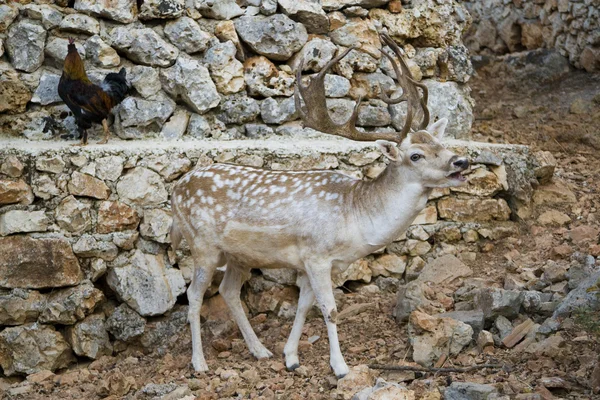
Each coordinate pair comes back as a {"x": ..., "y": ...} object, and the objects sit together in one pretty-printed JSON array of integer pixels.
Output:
[{"x": 89, "y": 103}]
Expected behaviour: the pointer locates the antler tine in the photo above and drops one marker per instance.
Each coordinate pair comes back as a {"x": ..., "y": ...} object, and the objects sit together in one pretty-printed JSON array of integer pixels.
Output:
[{"x": 408, "y": 85}]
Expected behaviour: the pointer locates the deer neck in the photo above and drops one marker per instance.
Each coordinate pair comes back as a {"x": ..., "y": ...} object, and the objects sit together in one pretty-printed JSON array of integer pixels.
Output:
[{"x": 386, "y": 206}]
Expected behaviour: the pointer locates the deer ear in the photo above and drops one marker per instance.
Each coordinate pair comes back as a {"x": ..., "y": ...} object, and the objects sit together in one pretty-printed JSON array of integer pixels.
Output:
[
  {"x": 389, "y": 149},
  {"x": 438, "y": 128}
]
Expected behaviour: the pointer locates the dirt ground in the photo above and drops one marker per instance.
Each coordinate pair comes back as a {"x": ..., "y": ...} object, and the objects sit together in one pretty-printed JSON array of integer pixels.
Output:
[{"x": 542, "y": 118}]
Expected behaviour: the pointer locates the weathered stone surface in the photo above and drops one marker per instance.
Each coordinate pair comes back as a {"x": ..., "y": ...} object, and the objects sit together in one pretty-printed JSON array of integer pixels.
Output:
[
  {"x": 330, "y": 5},
  {"x": 156, "y": 225},
  {"x": 88, "y": 246},
  {"x": 152, "y": 9},
  {"x": 444, "y": 270},
  {"x": 264, "y": 79},
  {"x": 480, "y": 182},
  {"x": 89, "y": 337},
  {"x": 49, "y": 16},
  {"x": 16, "y": 221},
  {"x": 136, "y": 116},
  {"x": 316, "y": 53},
  {"x": 468, "y": 210},
  {"x": 190, "y": 81},
  {"x": 45, "y": 187},
  {"x": 309, "y": 13},
  {"x": 25, "y": 45},
  {"x": 67, "y": 306},
  {"x": 388, "y": 265},
  {"x": 18, "y": 306},
  {"x": 142, "y": 187},
  {"x": 169, "y": 168},
  {"x": 87, "y": 186},
  {"x": 495, "y": 302},
  {"x": 100, "y": 53},
  {"x": 226, "y": 71},
  {"x": 385, "y": 391},
  {"x": 54, "y": 164},
  {"x": 553, "y": 193},
  {"x": 276, "y": 37},
  {"x": 358, "y": 378},
  {"x": 161, "y": 329},
  {"x": 219, "y": 9},
  {"x": 430, "y": 337},
  {"x": 123, "y": 11},
  {"x": 56, "y": 50},
  {"x": 14, "y": 94},
  {"x": 146, "y": 284},
  {"x": 47, "y": 92},
  {"x": 80, "y": 23},
  {"x": 475, "y": 319},
  {"x": 198, "y": 126},
  {"x": 273, "y": 111},
  {"x": 284, "y": 276},
  {"x": 146, "y": 82},
  {"x": 238, "y": 109},
  {"x": 468, "y": 391},
  {"x": 175, "y": 127},
  {"x": 46, "y": 263},
  {"x": 8, "y": 13},
  {"x": 31, "y": 348},
  {"x": 186, "y": 34},
  {"x": 361, "y": 32},
  {"x": 73, "y": 215},
  {"x": 125, "y": 324},
  {"x": 143, "y": 46},
  {"x": 357, "y": 271},
  {"x": 12, "y": 166}
]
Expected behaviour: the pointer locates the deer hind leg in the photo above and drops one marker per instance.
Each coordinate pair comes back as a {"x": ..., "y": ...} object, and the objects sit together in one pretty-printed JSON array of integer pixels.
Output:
[
  {"x": 305, "y": 302},
  {"x": 230, "y": 289},
  {"x": 320, "y": 280},
  {"x": 204, "y": 270}
]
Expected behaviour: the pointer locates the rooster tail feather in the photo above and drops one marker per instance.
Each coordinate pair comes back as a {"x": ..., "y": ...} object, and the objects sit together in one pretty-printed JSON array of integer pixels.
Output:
[{"x": 115, "y": 84}]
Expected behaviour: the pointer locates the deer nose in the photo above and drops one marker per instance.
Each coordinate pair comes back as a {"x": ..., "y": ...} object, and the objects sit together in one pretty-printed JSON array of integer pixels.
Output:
[{"x": 462, "y": 163}]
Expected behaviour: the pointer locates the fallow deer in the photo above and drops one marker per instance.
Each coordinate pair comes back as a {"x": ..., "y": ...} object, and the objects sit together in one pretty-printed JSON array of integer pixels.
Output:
[{"x": 310, "y": 221}]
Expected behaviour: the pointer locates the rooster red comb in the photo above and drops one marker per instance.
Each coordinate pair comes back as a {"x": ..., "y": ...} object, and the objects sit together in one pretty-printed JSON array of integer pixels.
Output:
[{"x": 71, "y": 40}]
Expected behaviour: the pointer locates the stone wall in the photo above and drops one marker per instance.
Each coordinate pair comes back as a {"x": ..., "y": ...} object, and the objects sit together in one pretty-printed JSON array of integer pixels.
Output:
[
  {"x": 225, "y": 69},
  {"x": 570, "y": 26},
  {"x": 86, "y": 268}
]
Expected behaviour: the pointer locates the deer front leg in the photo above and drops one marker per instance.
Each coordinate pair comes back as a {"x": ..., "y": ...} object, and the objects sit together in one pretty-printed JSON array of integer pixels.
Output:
[
  {"x": 195, "y": 293},
  {"x": 305, "y": 302},
  {"x": 320, "y": 280},
  {"x": 230, "y": 289}
]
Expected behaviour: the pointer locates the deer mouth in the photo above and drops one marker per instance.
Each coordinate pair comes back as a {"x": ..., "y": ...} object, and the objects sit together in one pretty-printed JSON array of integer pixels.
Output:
[{"x": 458, "y": 176}]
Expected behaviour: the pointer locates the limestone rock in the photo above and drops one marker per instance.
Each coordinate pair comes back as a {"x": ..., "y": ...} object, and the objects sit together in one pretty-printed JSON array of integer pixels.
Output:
[
  {"x": 160, "y": 330},
  {"x": 153, "y": 9},
  {"x": 444, "y": 270},
  {"x": 49, "y": 16},
  {"x": 146, "y": 81},
  {"x": 89, "y": 337},
  {"x": 355, "y": 61},
  {"x": 469, "y": 210},
  {"x": 357, "y": 271},
  {"x": 330, "y": 5},
  {"x": 156, "y": 225},
  {"x": 358, "y": 378},
  {"x": 276, "y": 37},
  {"x": 199, "y": 127},
  {"x": 47, "y": 92},
  {"x": 480, "y": 182},
  {"x": 469, "y": 391},
  {"x": 31, "y": 348},
  {"x": 45, "y": 187},
  {"x": 146, "y": 284},
  {"x": 89, "y": 246},
  {"x": 12, "y": 166},
  {"x": 336, "y": 86},
  {"x": 169, "y": 168},
  {"x": 143, "y": 46},
  {"x": 190, "y": 81},
  {"x": 37, "y": 263},
  {"x": 427, "y": 216},
  {"x": 136, "y": 115},
  {"x": 80, "y": 23},
  {"x": 175, "y": 127},
  {"x": 306, "y": 12},
  {"x": 495, "y": 302},
  {"x": 219, "y": 9},
  {"x": 73, "y": 215},
  {"x": 273, "y": 111},
  {"x": 474, "y": 318},
  {"x": 254, "y": 131},
  {"x": 238, "y": 109},
  {"x": 25, "y": 45},
  {"x": 226, "y": 71},
  {"x": 430, "y": 336},
  {"x": 14, "y": 94},
  {"x": 264, "y": 79},
  {"x": 186, "y": 34},
  {"x": 53, "y": 164},
  {"x": 12, "y": 192},
  {"x": 361, "y": 32},
  {"x": 123, "y": 11},
  {"x": 17, "y": 221},
  {"x": 553, "y": 193},
  {"x": 67, "y": 306},
  {"x": 142, "y": 187},
  {"x": 373, "y": 113},
  {"x": 125, "y": 324},
  {"x": 385, "y": 391},
  {"x": 57, "y": 49},
  {"x": 18, "y": 306},
  {"x": 100, "y": 53},
  {"x": 8, "y": 13},
  {"x": 88, "y": 186},
  {"x": 284, "y": 276},
  {"x": 388, "y": 265}
]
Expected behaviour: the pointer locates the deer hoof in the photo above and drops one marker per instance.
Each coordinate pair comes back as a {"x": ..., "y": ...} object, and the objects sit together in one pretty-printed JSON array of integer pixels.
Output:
[{"x": 293, "y": 367}]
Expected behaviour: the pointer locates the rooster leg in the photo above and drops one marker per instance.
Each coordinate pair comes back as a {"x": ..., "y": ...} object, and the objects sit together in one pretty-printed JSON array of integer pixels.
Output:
[
  {"x": 106, "y": 132},
  {"x": 83, "y": 135}
]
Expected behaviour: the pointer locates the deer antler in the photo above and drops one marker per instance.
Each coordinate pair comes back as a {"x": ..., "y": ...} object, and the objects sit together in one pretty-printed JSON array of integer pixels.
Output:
[{"x": 316, "y": 116}]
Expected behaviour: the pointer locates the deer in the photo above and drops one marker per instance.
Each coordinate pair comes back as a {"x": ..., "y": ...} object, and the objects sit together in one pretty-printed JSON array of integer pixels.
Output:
[{"x": 311, "y": 220}]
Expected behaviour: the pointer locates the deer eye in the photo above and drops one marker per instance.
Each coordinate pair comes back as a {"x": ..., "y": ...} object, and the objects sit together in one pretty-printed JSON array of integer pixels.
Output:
[{"x": 415, "y": 157}]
